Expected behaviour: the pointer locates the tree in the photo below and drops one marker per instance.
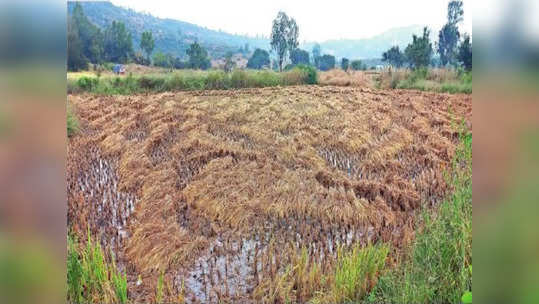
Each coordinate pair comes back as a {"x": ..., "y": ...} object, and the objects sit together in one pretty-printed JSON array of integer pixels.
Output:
[
  {"x": 90, "y": 36},
  {"x": 284, "y": 36},
  {"x": 316, "y": 55},
  {"x": 299, "y": 56},
  {"x": 345, "y": 63},
  {"x": 163, "y": 60},
  {"x": 327, "y": 62},
  {"x": 449, "y": 35},
  {"x": 147, "y": 43},
  {"x": 229, "y": 63},
  {"x": 465, "y": 53},
  {"x": 259, "y": 59},
  {"x": 419, "y": 52},
  {"x": 198, "y": 57},
  {"x": 118, "y": 43},
  {"x": 75, "y": 55},
  {"x": 357, "y": 65},
  {"x": 394, "y": 56}
]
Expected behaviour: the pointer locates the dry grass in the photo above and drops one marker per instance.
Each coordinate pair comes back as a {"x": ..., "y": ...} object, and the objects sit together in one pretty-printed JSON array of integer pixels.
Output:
[
  {"x": 210, "y": 186},
  {"x": 338, "y": 77}
]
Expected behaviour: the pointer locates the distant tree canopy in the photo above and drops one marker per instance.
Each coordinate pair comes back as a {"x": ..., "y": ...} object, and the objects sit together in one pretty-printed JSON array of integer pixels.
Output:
[
  {"x": 449, "y": 35},
  {"x": 147, "y": 43},
  {"x": 327, "y": 62},
  {"x": 118, "y": 43},
  {"x": 357, "y": 65},
  {"x": 345, "y": 63},
  {"x": 259, "y": 59},
  {"x": 316, "y": 55},
  {"x": 465, "y": 53},
  {"x": 299, "y": 56},
  {"x": 284, "y": 36},
  {"x": 198, "y": 57},
  {"x": 229, "y": 63},
  {"x": 394, "y": 56},
  {"x": 419, "y": 52},
  {"x": 163, "y": 60}
]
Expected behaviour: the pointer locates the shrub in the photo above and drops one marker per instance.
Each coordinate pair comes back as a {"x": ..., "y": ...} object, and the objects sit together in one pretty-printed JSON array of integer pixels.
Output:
[
  {"x": 87, "y": 83},
  {"x": 310, "y": 73}
]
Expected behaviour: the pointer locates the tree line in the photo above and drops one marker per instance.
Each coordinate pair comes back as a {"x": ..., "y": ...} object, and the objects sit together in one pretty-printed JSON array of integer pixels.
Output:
[
  {"x": 452, "y": 50},
  {"x": 87, "y": 43}
]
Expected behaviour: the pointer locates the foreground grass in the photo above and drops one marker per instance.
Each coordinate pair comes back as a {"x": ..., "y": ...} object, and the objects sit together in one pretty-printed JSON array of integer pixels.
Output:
[
  {"x": 72, "y": 123},
  {"x": 438, "y": 268},
  {"x": 186, "y": 80},
  {"x": 349, "y": 279},
  {"x": 90, "y": 278}
]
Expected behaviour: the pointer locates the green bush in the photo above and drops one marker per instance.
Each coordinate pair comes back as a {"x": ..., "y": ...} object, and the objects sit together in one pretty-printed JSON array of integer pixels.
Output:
[
  {"x": 310, "y": 73},
  {"x": 87, "y": 83}
]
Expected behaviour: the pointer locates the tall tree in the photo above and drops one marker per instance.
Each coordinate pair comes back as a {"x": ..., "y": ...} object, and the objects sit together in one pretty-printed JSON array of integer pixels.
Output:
[
  {"x": 299, "y": 56},
  {"x": 90, "y": 35},
  {"x": 394, "y": 56},
  {"x": 284, "y": 36},
  {"x": 316, "y": 55},
  {"x": 198, "y": 57},
  {"x": 147, "y": 43},
  {"x": 118, "y": 43},
  {"x": 327, "y": 62},
  {"x": 449, "y": 35},
  {"x": 345, "y": 63},
  {"x": 259, "y": 59},
  {"x": 465, "y": 53},
  {"x": 75, "y": 55},
  {"x": 229, "y": 63},
  {"x": 419, "y": 52}
]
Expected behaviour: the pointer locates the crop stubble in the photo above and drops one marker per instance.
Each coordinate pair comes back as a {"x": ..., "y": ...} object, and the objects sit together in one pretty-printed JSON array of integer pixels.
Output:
[{"x": 216, "y": 188}]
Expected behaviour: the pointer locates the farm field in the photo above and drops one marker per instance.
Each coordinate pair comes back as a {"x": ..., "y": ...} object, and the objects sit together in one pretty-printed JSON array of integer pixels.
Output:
[{"x": 244, "y": 195}]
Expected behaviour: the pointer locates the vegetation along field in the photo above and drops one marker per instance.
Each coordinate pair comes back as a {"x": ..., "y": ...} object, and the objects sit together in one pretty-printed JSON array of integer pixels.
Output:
[{"x": 258, "y": 194}]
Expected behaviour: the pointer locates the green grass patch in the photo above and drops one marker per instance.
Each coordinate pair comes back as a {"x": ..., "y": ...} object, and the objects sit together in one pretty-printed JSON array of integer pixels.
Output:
[
  {"x": 357, "y": 272},
  {"x": 437, "y": 269},
  {"x": 72, "y": 123},
  {"x": 186, "y": 80},
  {"x": 437, "y": 80},
  {"x": 90, "y": 278}
]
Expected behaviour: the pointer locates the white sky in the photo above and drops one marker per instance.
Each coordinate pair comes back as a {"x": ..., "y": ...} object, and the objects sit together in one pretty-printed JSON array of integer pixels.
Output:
[{"x": 317, "y": 20}]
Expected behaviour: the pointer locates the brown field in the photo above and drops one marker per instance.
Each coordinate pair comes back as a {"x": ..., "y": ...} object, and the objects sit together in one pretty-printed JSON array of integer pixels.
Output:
[{"x": 220, "y": 189}]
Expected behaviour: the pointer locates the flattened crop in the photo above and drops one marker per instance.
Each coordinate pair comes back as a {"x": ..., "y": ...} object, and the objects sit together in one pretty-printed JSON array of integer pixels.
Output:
[{"x": 210, "y": 187}]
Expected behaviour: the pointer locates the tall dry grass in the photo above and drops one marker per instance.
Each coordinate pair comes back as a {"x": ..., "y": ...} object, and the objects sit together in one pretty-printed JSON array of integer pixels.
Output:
[{"x": 339, "y": 77}]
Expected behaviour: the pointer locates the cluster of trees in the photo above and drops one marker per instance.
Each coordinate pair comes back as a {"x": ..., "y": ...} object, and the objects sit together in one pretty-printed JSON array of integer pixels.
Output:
[
  {"x": 419, "y": 52},
  {"x": 86, "y": 43}
]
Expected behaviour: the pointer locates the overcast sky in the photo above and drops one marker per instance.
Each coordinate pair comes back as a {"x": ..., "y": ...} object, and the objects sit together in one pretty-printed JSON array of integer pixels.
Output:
[{"x": 317, "y": 20}]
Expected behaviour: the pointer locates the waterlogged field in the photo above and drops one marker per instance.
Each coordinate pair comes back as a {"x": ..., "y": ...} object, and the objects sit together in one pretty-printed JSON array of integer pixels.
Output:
[{"x": 258, "y": 195}]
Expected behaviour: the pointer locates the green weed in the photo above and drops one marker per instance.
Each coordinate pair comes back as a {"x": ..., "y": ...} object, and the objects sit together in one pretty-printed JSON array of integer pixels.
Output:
[{"x": 437, "y": 269}]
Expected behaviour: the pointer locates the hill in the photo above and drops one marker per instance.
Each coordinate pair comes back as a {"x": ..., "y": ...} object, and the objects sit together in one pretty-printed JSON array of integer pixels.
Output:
[
  {"x": 174, "y": 36},
  {"x": 171, "y": 36}
]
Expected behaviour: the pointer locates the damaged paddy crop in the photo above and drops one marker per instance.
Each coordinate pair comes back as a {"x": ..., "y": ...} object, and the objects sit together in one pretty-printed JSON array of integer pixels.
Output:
[{"x": 267, "y": 195}]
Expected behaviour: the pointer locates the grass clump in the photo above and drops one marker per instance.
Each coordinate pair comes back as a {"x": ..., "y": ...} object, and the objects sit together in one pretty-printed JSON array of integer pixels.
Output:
[
  {"x": 437, "y": 269},
  {"x": 72, "y": 123},
  {"x": 423, "y": 79},
  {"x": 90, "y": 278},
  {"x": 187, "y": 80}
]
